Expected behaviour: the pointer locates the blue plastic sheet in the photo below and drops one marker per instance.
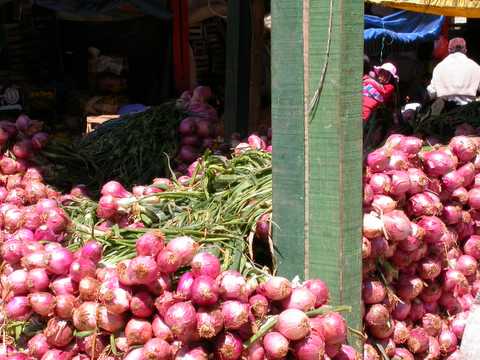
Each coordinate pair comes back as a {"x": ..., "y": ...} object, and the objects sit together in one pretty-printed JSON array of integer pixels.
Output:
[
  {"x": 85, "y": 8},
  {"x": 403, "y": 27}
]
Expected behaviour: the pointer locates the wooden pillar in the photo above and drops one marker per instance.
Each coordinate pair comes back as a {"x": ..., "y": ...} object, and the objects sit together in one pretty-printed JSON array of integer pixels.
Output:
[
  {"x": 256, "y": 63},
  {"x": 181, "y": 49},
  {"x": 237, "y": 67},
  {"x": 317, "y": 51}
]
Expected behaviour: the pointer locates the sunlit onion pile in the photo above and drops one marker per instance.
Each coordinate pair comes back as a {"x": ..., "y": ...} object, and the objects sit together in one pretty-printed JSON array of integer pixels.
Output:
[
  {"x": 421, "y": 246},
  {"x": 144, "y": 309}
]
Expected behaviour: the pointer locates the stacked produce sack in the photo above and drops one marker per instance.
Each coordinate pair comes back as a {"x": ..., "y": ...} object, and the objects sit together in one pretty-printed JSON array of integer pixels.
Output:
[{"x": 421, "y": 247}]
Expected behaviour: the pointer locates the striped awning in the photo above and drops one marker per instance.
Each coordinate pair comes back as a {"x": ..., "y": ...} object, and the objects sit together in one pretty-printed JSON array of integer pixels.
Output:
[{"x": 462, "y": 8}]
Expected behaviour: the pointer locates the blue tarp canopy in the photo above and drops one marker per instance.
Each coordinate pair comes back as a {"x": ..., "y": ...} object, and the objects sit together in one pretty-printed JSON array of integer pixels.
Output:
[{"x": 403, "y": 27}]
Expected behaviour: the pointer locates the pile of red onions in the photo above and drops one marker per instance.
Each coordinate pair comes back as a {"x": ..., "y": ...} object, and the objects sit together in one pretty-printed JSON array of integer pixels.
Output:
[
  {"x": 199, "y": 130},
  {"x": 172, "y": 300},
  {"x": 420, "y": 247}
]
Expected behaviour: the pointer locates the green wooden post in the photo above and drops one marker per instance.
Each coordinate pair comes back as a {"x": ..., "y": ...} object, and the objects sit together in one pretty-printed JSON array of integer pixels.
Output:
[
  {"x": 317, "y": 51},
  {"x": 237, "y": 83}
]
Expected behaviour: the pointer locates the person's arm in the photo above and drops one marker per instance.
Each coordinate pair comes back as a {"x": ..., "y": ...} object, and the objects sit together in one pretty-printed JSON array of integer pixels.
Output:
[{"x": 432, "y": 91}]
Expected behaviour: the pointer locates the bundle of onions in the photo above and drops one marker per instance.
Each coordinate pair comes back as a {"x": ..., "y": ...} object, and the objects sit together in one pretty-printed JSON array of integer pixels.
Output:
[{"x": 427, "y": 241}]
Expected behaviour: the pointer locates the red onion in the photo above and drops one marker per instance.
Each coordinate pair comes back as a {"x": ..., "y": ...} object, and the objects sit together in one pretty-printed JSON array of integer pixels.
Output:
[
  {"x": 11, "y": 251},
  {"x": 187, "y": 126},
  {"x": 458, "y": 324},
  {"x": 400, "y": 183},
  {"x": 378, "y": 160},
  {"x": 116, "y": 300},
  {"x": 301, "y": 298},
  {"x": 109, "y": 321},
  {"x": 123, "y": 273},
  {"x": 429, "y": 269},
  {"x": 455, "y": 281},
  {"x": 161, "y": 284},
  {"x": 157, "y": 349},
  {"x": 8, "y": 166},
  {"x": 372, "y": 226},
  {"x": 467, "y": 265},
  {"x": 142, "y": 270},
  {"x": 17, "y": 282},
  {"x": 257, "y": 352},
  {"x": 42, "y": 303},
  {"x": 23, "y": 122},
  {"x": 409, "y": 288},
  {"x": 276, "y": 345},
  {"x": 431, "y": 308},
  {"x": 397, "y": 225},
  {"x": 209, "y": 322},
  {"x": 18, "y": 308},
  {"x": 262, "y": 230},
  {"x": 150, "y": 244},
  {"x": 107, "y": 207},
  {"x": 229, "y": 347},
  {"x": 38, "y": 346},
  {"x": 161, "y": 330},
  {"x": 433, "y": 349},
  {"x": 369, "y": 352},
  {"x": 138, "y": 331},
  {"x": 85, "y": 316},
  {"x": 424, "y": 203},
  {"x": 434, "y": 228},
  {"x": 184, "y": 287},
  {"x": 181, "y": 317},
  {"x": 191, "y": 140},
  {"x": 89, "y": 288},
  {"x": 44, "y": 233},
  {"x": 135, "y": 354},
  {"x": 474, "y": 198},
  {"x": 380, "y": 183},
  {"x": 204, "y": 291},
  {"x": 276, "y": 288},
  {"x": 472, "y": 246},
  {"x": 347, "y": 353},
  {"x": 39, "y": 140},
  {"x": 311, "y": 347},
  {"x": 402, "y": 310},
  {"x": 168, "y": 261},
  {"x": 401, "y": 332},
  {"x": 432, "y": 324},
  {"x": 92, "y": 250},
  {"x": 81, "y": 268},
  {"x": 452, "y": 214},
  {"x": 235, "y": 314},
  {"x": 450, "y": 303},
  {"x": 185, "y": 247},
  {"x": 448, "y": 341},
  {"x": 439, "y": 162},
  {"x": 418, "y": 180},
  {"x": 64, "y": 306},
  {"x": 58, "y": 333},
  {"x": 141, "y": 305},
  {"x": 373, "y": 292},
  {"x": 164, "y": 302},
  {"x": 366, "y": 248},
  {"x": 59, "y": 261},
  {"x": 383, "y": 203},
  {"x": 231, "y": 285},
  {"x": 205, "y": 263},
  {"x": 63, "y": 285},
  {"x": 191, "y": 353},
  {"x": 463, "y": 147},
  {"x": 452, "y": 180},
  {"x": 333, "y": 327},
  {"x": 37, "y": 280},
  {"x": 418, "y": 341},
  {"x": 377, "y": 315}
]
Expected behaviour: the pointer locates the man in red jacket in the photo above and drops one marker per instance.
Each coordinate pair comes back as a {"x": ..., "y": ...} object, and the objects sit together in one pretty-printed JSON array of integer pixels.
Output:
[{"x": 378, "y": 88}]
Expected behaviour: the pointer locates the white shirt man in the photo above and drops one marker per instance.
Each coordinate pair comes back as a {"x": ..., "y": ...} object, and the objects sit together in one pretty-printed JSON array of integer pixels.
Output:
[{"x": 456, "y": 79}]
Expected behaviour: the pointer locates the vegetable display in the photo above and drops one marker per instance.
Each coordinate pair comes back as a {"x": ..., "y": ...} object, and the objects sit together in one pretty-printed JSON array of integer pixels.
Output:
[{"x": 420, "y": 263}]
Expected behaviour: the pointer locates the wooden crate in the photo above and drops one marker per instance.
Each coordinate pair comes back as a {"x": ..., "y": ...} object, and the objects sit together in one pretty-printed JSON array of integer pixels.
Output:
[{"x": 94, "y": 121}]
